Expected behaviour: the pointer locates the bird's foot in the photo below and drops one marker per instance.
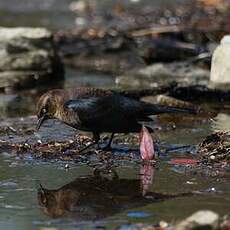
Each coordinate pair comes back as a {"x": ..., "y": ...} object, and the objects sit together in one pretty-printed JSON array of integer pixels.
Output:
[
  {"x": 106, "y": 148},
  {"x": 87, "y": 147}
]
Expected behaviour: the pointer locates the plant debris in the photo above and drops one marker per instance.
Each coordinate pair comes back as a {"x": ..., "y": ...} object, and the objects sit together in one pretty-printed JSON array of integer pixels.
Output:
[{"x": 215, "y": 148}]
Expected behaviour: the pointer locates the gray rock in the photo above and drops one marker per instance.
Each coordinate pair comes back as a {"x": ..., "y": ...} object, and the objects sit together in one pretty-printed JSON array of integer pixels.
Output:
[
  {"x": 220, "y": 70},
  {"x": 31, "y": 60},
  {"x": 206, "y": 220},
  {"x": 107, "y": 62},
  {"x": 169, "y": 101},
  {"x": 181, "y": 72},
  {"x": 16, "y": 40},
  {"x": 10, "y": 80},
  {"x": 27, "y": 58}
]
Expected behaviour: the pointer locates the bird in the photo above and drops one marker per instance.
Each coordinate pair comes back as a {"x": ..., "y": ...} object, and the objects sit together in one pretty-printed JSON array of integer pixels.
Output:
[{"x": 98, "y": 111}]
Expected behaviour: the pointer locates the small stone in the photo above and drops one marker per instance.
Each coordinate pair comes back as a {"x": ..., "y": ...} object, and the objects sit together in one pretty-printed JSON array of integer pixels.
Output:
[
  {"x": 67, "y": 166},
  {"x": 39, "y": 142},
  {"x": 200, "y": 220},
  {"x": 190, "y": 182},
  {"x": 163, "y": 224},
  {"x": 26, "y": 145},
  {"x": 212, "y": 157},
  {"x": 212, "y": 189}
]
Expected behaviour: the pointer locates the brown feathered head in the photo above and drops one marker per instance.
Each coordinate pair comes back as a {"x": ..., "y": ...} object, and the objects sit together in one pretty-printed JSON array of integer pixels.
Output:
[{"x": 48, "y": 105}]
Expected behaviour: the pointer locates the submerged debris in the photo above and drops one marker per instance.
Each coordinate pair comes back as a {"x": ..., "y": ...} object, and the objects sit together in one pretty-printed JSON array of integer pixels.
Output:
[{"x": 215, "y": 148}]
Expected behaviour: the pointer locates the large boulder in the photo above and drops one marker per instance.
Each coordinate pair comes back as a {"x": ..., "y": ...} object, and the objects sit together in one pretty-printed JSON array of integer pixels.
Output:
[
  {"x": 220, "y": 70},
  {"x": 28, "y": 57},
  {"x": 206, "y": 220},
  {"x": 182, "y": 72}
]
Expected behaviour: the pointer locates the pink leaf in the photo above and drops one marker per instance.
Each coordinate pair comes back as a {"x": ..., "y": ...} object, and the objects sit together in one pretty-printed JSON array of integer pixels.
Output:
[
  {"x": 146, "y": 145},
  {"x": 183, "y": 161}
]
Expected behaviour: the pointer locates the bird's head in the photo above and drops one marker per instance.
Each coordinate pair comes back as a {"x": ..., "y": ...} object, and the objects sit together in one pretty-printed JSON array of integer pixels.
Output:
[{"x": 48, "y": 106}]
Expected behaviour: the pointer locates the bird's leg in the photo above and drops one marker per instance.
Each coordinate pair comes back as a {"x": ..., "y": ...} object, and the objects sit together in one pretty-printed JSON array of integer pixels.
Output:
[
  {"x": 108, "y": 146},
  {"x": 96, "y": 138}
]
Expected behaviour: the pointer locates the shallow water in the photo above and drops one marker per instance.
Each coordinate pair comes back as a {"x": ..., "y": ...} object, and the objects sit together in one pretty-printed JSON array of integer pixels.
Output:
[
  {"x": 87, "y": 201},
  {"x": 76, "y": 198},
  {"x": 20, "y": 176},
  {"x": 20, "y": 180}
]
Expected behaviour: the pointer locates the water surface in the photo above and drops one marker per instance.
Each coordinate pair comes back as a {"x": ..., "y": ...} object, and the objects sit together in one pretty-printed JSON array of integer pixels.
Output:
[{"x": 69, "y": 203}]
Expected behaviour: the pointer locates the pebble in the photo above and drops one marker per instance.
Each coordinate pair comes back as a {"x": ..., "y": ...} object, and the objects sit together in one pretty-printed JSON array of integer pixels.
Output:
[{"x": 67, "y": 166}]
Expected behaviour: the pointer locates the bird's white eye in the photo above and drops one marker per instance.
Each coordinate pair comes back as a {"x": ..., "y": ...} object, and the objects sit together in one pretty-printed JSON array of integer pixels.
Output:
[{"x": 44, "y": 110}]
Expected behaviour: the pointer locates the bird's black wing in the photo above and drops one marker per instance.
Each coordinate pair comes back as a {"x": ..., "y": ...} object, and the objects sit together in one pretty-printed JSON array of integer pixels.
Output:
[
  {"x": 90, "y": 108},
  {"x": 108, "y": 112},
  {"x": 111, "y": 112}
]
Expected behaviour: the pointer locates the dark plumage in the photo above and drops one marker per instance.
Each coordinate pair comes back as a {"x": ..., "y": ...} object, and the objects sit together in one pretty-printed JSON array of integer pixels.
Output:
[{"x": 98, "y": 111}]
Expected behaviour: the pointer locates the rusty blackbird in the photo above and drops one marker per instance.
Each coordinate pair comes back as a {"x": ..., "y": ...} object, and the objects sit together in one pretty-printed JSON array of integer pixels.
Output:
[{"x": 97, "y": 111}]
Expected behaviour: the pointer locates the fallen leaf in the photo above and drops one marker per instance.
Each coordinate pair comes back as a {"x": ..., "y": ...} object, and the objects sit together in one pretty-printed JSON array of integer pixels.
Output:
[
  {"x": 146, "y": 145},
  {"x": 183, "y": 161}
]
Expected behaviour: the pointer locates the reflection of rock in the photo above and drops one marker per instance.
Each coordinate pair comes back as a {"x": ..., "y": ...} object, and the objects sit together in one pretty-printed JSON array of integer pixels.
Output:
[
  {"x": 199, "y": 220},
  {"x": 27, "y": 57},
  {"x": 178, "y": 71},
  {"x": 13, "y": 105},
  {"x": 220, "y": 71}
]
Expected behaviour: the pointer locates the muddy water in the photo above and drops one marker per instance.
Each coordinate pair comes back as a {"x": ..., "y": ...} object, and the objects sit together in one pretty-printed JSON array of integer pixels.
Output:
[{"x": 74, "y": 197}]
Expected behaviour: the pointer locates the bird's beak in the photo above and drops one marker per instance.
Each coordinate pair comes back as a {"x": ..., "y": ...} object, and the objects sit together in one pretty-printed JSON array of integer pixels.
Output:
[{"x": 40, "y": 121}]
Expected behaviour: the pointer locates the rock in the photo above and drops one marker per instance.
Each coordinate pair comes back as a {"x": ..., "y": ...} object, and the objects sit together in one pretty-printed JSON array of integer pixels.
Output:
[
  {"x": 181, "y": 72},
  {"x": 225, "y": 225},
  {"x": 199, "y": 220},
  {"x": 169, "y": 101},
  {"x": 28, "y": 57},
  {"x": 107, "y": 62},
  {"x": 220, "y": 70},
  {"x": 16, "y": 40}
]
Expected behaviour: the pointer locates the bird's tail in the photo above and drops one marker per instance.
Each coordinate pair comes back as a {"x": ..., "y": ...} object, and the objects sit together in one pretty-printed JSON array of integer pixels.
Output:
[{"x": 158, "y": 109}]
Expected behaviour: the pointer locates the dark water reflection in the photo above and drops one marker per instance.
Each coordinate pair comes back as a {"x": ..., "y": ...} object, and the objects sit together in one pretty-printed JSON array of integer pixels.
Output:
[
  {"x": 96, "y": 197},
  {"x": 79, "y": 198}
]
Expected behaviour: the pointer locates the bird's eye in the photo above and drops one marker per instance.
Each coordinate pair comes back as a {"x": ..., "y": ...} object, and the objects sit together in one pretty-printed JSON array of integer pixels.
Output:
[{"x": 44, "y": 111}]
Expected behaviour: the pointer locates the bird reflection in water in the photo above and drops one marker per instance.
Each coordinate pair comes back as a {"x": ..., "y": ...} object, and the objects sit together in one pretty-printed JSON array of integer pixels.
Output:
[{"x": 96, "y": 197}]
